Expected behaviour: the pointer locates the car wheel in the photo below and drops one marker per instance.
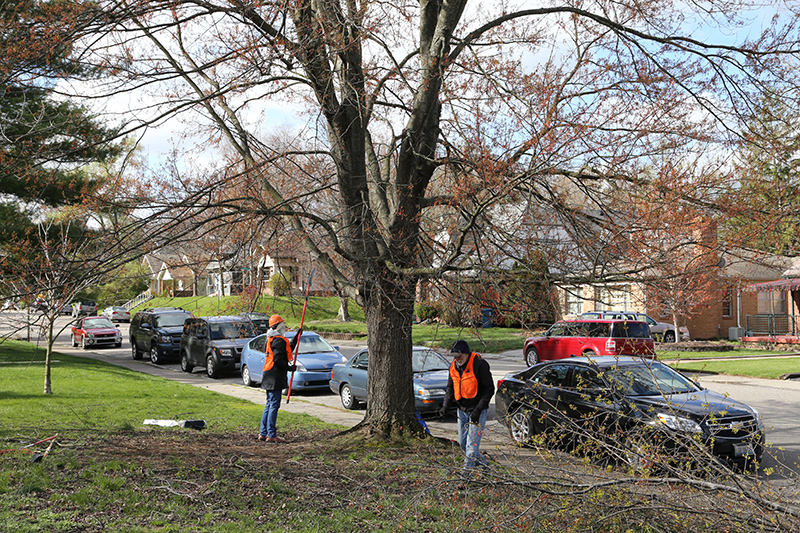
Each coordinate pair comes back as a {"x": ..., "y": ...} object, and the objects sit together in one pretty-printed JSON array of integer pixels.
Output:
[
  {"x": 520, "y": 427},
  {"x": 246, "y": 379},
  {"x": 186, "y": 366},
  {"x": 211, "y": 367},
  {"x": 154, "y": 358},
  {"x": 669, "y": 336},
  {"x": 74, "y": 342},
  {"x": 83, "y": 342},
  {"x": 589, "y": 353},
  {"x": 118, "y": 345},
  {"x": 348, "y": 399},
  {"x": 135, "y": 353},
  {"x": 531, "y": 356}
]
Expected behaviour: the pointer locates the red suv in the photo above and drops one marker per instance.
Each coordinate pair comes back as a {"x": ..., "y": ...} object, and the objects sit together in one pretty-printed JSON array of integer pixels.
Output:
[{"x": 573, "y": 338}]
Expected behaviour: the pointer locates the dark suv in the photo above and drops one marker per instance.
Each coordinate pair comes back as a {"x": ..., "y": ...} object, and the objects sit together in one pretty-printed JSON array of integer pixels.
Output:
[
  {"x": 157, "y": 331},
  {"x": 215, "y": 342}
]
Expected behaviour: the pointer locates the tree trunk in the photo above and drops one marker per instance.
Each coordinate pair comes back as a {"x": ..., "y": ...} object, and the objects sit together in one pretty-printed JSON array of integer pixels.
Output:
[
  {"x": 344, "y": 312},
  {"x": 388, "y": 306},
  {"x": 48, "y": 388}
]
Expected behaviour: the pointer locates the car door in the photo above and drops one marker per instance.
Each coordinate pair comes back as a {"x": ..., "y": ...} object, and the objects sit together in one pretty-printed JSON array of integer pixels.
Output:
[
  {"x": 544, "y": 394},
  {"x": 256, "y": 357},
  {"x": 145, "y": 336},
  {"x": 198, "y": 338},
  {"x": 357, "y": 374},
  {"x": 587, "y": 400},
  {"x": 550, "y": 345}
]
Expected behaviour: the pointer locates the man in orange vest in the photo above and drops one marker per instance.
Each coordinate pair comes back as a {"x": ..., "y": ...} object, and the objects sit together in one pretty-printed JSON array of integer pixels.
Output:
[
  {"x": 277, "y": 362},
  {"x": 470, "y": 387}
]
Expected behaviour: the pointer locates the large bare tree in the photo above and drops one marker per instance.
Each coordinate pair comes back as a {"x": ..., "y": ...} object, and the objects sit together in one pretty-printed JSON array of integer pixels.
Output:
[{"x": 458, "y": 131}]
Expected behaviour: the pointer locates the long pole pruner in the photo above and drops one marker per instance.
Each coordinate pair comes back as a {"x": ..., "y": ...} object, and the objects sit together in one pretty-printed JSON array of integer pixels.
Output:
[{"x": 297, "y": 344}]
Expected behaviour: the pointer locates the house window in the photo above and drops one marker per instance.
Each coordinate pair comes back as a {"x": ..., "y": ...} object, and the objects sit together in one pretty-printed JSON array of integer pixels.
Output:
[
  {"x": 574, "y": 301},
  {"x": 772, "y": 303},
  {"x": 614, "y": 299},
  {"x": 727, "y": 303}
]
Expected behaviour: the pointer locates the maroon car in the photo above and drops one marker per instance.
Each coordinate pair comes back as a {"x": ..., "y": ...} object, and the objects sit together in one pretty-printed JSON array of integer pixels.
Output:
[
  {"x": 93, "y": 331},
  {"x": 575, "y": 338}
]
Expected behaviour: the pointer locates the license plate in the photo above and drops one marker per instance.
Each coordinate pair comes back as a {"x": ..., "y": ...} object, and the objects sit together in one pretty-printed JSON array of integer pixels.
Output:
[{"x": 740, "y": 450}]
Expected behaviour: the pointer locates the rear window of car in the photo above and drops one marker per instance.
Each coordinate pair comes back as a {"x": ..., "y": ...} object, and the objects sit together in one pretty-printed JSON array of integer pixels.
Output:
[{"x": 630, "y": 330}]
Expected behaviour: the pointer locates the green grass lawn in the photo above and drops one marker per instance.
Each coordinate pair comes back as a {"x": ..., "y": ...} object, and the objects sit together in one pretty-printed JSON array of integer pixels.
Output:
[
  {"x": 92, "y": 395},
  {"x": 770, "y": 367}
]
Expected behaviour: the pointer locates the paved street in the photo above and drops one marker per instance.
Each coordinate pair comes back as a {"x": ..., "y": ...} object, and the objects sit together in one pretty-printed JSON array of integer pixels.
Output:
[{"x": 777, "y": 400}]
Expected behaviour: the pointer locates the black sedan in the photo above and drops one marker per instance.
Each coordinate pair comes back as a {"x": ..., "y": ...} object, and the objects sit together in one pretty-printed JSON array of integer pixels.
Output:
[{"x": 635, "y": 409}]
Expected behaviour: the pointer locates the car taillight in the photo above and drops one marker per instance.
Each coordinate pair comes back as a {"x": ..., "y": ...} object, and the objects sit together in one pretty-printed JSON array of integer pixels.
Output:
[
  {"x": 499, "y": 382},
  {"x": 611, "y": 346}
]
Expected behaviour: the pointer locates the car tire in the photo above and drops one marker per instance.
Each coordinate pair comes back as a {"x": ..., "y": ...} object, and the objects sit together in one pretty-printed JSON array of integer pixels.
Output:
[
  {"x": 588, "y": 353},
  {"x": 74, "y": 342},
  {"x": 118, "y": 345},
  {"x": 246, "y": 379},
  {"x": 348, "y": 398},
  {"x": 669, "y": 336},
  {"x": 531, "y": 356},
  {"x": 211, "y": 367},
  {"x": 520, "y": 428},
  {"x": 135, "y": 353},
  {"x": 154, "y": 356},
  {"x": 186, "y": 366},
  {"x": 83, "y": 342}
]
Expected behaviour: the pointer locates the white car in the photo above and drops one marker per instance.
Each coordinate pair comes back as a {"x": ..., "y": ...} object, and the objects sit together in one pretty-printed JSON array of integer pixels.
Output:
[{"x": 117, "y": 314}]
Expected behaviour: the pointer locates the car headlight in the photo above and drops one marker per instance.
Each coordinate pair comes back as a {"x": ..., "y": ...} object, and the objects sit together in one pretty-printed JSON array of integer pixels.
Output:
[
  {"x": 344, "y": 359},
  {"x": 677, "y": 423},
  {"x": 89, "y": 335},
  {"x": 300, "y": 367},
  {"x": 430, "y": 392},
  {"x": 225, "y": 352}
]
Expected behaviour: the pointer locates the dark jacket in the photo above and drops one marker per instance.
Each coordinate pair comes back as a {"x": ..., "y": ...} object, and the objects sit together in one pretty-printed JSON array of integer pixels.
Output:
[
  {"x": 485, "y": 388},
  {"x": 275, "y": 378}
]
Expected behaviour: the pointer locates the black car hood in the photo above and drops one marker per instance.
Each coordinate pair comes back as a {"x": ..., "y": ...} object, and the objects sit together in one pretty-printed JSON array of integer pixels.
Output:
[{"x": 698, "y": 405}]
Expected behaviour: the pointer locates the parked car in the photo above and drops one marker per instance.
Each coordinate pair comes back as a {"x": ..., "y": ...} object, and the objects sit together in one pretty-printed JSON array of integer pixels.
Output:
[
  {"x": 349, "y": 380},
  {"x": 629, "y": 403},
  {"x": 215, "y": 342},
  {"x": 259, "y": 320},
  {"x": 95, "y": 331},
  {"x": 117, "y": 314},
  {"x": 574, "y": 338},
  {"x": 157, "y": 331},
  {"x": 85, "y": 307},
  {"x": 659, "y": 330},
  {"x": 66, "y": 309},
  {"x": 315, "y": 359}
]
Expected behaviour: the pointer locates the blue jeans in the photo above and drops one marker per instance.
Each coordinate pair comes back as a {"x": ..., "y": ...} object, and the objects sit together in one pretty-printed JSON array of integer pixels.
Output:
[
  {"x": 270, "y": 416},
  {"x": 469, "y": 438}
]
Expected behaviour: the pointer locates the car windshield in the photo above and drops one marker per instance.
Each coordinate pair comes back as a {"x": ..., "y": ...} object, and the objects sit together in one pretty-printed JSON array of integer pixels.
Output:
[
  {"x": 314, "y": 344},
  {"x": 102, "y": 322},
  {"x": 232, "y": 330},
  {"x": 170, "y": 320},
  {"x": 428, "y": 361},
  {"x": 655, "y": 380}
]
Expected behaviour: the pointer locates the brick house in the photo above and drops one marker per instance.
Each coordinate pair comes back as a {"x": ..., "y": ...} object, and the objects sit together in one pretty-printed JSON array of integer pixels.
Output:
[{"x": 721, "y": 315}]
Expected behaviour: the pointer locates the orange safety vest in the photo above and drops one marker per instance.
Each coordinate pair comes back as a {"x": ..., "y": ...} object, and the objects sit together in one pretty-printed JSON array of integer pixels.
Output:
[
  {"x": 465, "y": 385},
  {"x": 269, "y": 362}
]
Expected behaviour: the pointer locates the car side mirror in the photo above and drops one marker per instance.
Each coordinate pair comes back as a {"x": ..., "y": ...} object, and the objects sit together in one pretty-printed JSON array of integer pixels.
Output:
[
  {"x": 145, "y": 326},
  {"x": 362, "y": 366}
]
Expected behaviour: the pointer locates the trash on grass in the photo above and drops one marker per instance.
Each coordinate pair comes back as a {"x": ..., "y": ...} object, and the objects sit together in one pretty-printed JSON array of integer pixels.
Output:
[{"x": 193, "y": 424}]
